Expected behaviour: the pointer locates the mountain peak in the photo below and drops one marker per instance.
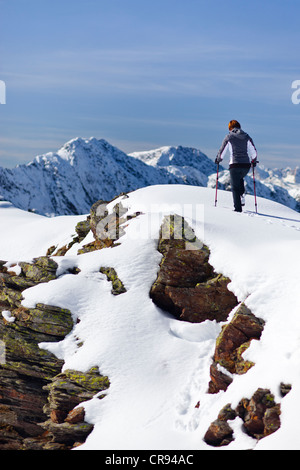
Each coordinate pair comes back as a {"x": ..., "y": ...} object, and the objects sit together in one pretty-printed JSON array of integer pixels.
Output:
[{"x": 85, "y": 170}]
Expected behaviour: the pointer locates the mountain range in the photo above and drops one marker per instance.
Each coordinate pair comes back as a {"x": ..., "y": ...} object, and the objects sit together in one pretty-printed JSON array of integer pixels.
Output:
[{"x": 83, "y": 171}]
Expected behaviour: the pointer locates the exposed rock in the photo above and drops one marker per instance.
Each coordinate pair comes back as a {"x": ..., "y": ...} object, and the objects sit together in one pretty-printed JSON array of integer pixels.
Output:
[
  {"x": 105, "y": 226},
  {"x": 260, "y": 415},
  {"x": 67, "y": 390},
  {"x": 75, "y": 416},
  {"x": 186, "y": 284},
  {"x": 66, "y": 433},
  {"x": 233, "y": 340},
  {"x": 70, "y": 388},
  {"x": 32, "y": 387},
  {"x": 43, "y": 269},
  {"x": 117, "y": 285},
  {"x": 219, "y": 434},
  {"x": 285, "y": 389},
  {"x": 82, "y": 229},
  {"x": 219, "y": 380}
]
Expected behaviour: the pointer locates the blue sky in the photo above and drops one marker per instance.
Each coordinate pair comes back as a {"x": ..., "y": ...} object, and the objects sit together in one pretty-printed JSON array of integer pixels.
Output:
[{"x": 144, "y": 74}]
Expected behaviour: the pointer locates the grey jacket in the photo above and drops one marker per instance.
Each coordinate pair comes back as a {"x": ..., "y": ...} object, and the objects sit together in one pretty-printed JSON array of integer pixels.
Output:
[{"x": 241, "y": 147}]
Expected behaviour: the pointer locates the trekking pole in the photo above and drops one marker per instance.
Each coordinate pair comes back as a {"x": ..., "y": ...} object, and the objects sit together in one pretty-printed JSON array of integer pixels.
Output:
[
  {"x": 254, "y": 188},
  {"x": 216, "y": 197}
]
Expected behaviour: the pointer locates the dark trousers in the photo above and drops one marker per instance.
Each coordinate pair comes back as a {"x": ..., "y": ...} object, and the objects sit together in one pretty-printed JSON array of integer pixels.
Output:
[{"x": 237, "y": 176}]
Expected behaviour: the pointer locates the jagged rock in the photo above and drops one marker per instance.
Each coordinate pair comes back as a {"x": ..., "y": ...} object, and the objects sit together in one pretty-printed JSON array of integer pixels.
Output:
[
  {"x": 117, "y": 285},
  {"x": 69, "y": 388},
  {"x": 106, "y": 227},
  {"x": 233, "y": 340},
  {"x": 76, "y": 416},
  {"x": 219, "y": 434},
  {"x": 206, "y": 301},
  {"x": 27, "y": 368},
  {"x": 186, "y": 284},
  {"x": 260, "y": 415},
  {"x": 48, "y": 319},
  {"x": 219, "y": 380},
  {"x": 285, "y": 389},
  {"x": 67, "y": 433},
  {"x": 227, "y": 413},
  {"x": 43, "y": 269},
  {"x": 82, "y": 229}
]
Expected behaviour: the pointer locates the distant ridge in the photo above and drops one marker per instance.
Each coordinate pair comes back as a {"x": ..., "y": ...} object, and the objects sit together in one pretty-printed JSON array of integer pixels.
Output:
[{"x": 69, "y": 181}]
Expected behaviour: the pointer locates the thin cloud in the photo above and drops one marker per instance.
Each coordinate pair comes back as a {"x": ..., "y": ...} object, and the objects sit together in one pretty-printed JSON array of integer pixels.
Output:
[{"x": 200, "y": 70}]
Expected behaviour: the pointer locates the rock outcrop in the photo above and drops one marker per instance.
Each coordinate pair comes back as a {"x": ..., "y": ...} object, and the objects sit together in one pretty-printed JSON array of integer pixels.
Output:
[
  {"x": 187, "y": 285},
  {"x": 40, "y": 405},
  {"x": 260, "y": 416},
  {"x": 33, "y": 391},
  {"x": 233, "y": 340}
]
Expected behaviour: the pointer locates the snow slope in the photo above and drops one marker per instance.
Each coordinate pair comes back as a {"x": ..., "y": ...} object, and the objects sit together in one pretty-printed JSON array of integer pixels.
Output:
[{"x": 157, "y": 365}]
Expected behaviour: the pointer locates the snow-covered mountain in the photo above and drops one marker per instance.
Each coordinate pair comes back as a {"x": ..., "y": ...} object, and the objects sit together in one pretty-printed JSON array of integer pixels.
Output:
[
  {"x": 83, "y": 171},
  {"x": 72, "y": 179},
  {"x": 158, "y": 366},
  {"x": 190, "y": 165},
  {"x": 195, "y": 168}
]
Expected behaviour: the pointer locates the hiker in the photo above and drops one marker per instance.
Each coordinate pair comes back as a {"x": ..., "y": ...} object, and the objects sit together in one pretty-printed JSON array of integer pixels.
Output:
[{"x": 242, "y": 155}]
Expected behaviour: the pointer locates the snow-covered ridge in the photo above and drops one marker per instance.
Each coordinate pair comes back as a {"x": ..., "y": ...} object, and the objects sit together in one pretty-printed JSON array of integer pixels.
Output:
[
  {"x": 83, "y": 171},
  {"x": 159, "y": 367}
]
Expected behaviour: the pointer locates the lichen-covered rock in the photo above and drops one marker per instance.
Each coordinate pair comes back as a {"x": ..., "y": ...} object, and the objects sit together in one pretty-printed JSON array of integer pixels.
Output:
[
  {"x": 260, "y": 416},
  {"x": 186, "y": 284},
  {"x": 209, "y": 300},
  {"x": 231, "y": 343},
  {"x": 27, "y": 368},
  {"x": 70, "y": 388},
  {"x": 67, "y": 433},
  {"x": 112, "y": 276},
  {"x": 82, "y": 229},
  {"x": 219, "y": 434},
  {"x": 48, "y": 319},
  {"x": 66, "y": 391},
  {"x": 43, "y": 269},
  {"x": 218, "y": 379},
  {"x": 107, "y": 226}
]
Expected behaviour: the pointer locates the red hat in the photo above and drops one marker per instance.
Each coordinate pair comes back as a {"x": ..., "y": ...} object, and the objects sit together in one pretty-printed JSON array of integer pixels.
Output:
[{"x": 234, "y": 125}]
